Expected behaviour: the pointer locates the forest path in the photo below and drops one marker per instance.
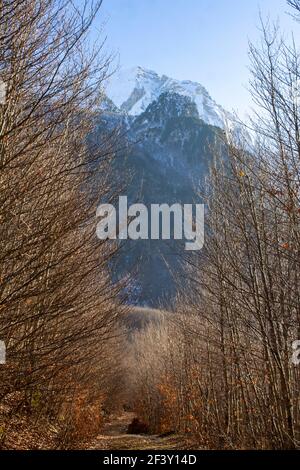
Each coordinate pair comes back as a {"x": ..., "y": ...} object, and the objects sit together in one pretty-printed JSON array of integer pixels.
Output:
[{"x": 114, "y": 437}]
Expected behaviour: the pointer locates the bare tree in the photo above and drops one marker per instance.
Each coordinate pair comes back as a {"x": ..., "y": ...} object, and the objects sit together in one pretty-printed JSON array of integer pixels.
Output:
[
  {"x": 226, "y": 375},
  {"x": 58, "y": 308}
]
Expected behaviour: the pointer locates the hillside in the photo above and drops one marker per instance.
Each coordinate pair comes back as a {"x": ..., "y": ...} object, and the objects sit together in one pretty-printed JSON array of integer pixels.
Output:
[{"x": 170, "y": 145}]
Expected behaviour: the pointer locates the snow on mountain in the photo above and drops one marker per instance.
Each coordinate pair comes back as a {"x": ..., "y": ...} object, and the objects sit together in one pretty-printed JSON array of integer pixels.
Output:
[{"x": 132, "y": 90}]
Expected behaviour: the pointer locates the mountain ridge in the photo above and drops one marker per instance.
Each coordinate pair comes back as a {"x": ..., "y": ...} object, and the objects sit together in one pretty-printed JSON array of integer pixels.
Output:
[
  {"x": 169, "y": 150},
  {"x": 133, "y": 90}
]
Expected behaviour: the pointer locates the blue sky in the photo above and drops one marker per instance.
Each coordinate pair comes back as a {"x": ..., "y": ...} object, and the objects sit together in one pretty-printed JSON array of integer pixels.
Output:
[{"x": 200, "y": 40}]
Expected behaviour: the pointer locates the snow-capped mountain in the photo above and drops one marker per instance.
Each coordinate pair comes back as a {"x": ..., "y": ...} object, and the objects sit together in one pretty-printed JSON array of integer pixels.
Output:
[
  {"x": 165, "y": 156},
  {"x": 173, "y": 132},
  {"x": 133, "y": 90}
]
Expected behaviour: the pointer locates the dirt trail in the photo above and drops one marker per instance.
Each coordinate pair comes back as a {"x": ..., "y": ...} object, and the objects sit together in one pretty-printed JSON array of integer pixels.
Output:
[{"x": 115, "y": 437}]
